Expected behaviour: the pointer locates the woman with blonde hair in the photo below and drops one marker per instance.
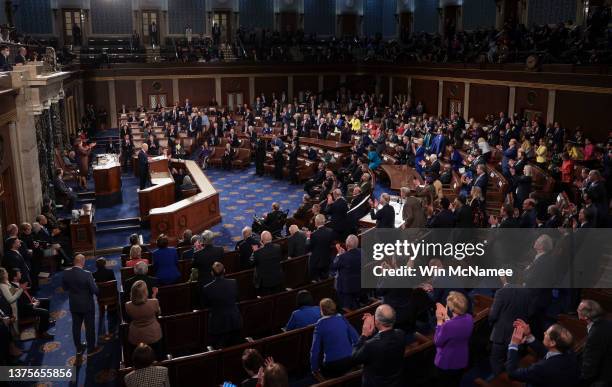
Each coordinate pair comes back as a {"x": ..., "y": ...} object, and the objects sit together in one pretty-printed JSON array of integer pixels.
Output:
[
  {"x": 136, "y": 256},
  {"x": 143, "y": 312},
  {"x": 477, "y": 204},
  {"x": 11, "y": 295}
]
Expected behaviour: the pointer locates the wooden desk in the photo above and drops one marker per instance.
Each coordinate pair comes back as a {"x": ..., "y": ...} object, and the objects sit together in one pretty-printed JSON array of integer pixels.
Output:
[
  {"x": 196, "y": 213},
  {"x": 107, "y": 180},
  {"x": 160, "y": 194},
  {"x": 329, "y": 145},
  {"x": 402, "y": 176},
  {"x": 82, "y": 233}
]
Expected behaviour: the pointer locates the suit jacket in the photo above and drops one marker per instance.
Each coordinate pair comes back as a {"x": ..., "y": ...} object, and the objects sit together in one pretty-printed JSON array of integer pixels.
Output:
[
  {"x": 245, "y": 248},
  {"x": 348, "y": 269},
  {"x": 464, "y": 217},
  {"x": 444, "y": 219},
  {"x": 143, "y": 162},
  {"x": 482, "y": 181},
  {"x": 203, "y": 261},
  {"x": 319, "y": 246},
  {"x": 597, "y": 354},
  {"x": 4, "y": 64},
  {"x": 509, "y": 304},
  {"x": 296, "y": 244},
  {"x": 338, "y": 215},
  {"x": 382, "y": 357},
  {"x": 13, "y": 259},
  {"x": 267, "y": 262},
  {"x": 413, "y": 213},
  {"x": 558, "y": 371},
  {"x": 385, "y": 217},
  {"x": 104, "y": 275},
  {"x": 81, "y": 288},
  {"x": 150, "y": 281},
  {"x": 221, "y": 297}
]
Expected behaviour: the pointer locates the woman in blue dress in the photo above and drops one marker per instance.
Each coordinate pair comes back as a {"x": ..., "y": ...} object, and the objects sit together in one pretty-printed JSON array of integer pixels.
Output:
[
  {"x": 419, "y": 155},
  {"x": 374, "y": 158}
]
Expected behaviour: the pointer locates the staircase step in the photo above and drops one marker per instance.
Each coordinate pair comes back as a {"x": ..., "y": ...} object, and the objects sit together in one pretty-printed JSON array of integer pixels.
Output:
[{"x": 117, "y": 228}]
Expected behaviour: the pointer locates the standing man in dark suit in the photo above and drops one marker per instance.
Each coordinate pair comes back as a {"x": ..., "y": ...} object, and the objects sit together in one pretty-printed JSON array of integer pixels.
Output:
[
  {"x": 482, "y": 179},
  {"x": 558, "y": 365},
  {"x": 268, "y": 276},
  {"x": 245, "y": 247},
  {"x": 509, "y": 304},
  {"x": 337, "y": 209},
  {"x": 382, "y": 354},
  {"x": 385, "y": 216},
  {"x": 347, "y": 270},
  {"x": 143, "y": 166},
  {"x": 296, "y": 243},
  {"x": 597, "y": 352},
  {"x": 319, "y": 245},
  {"x": 443, "y": 219},
  {"x": 81, "y": 287},
  {"x": 293, "y": 163},
  {"x": 203, "y": 259},
  {"x": 221, "y": 297}
]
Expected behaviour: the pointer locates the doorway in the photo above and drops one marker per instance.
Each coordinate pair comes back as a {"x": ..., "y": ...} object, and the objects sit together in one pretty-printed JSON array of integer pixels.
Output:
[
  {"x": 71, "y": 18},
  {"x": 150, "y": 27},
  {"x": 224, "y": 21}
]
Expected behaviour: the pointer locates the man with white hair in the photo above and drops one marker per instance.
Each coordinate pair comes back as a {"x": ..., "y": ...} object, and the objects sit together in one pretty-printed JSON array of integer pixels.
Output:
[
  {"x": 337, "y": 209},
  {"x": 319, "y": 245},
  {"x": 296, "y": 243},
  {"x": 385, "y": 216},
  {"x": 143, "y": 165},
  {"x": 542, "y": 272},
  {"x": 245, "y": 247},
  {"x": 347, "y": 270},
  {"x": 382, "y": 352},
  {"x": 140, "y": 274},
  {"x": 203, "y": 259},
  {"x": 268, "y": 276}
]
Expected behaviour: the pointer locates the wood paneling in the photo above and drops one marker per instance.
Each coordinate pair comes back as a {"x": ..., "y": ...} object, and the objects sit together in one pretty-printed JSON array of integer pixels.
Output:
[
  {"x": 305, "y": 82},
  {"x": 359, "y": 83},
  {"x": 487, "y": 99},
  {"x": 452, "y": 91},
  {"x": 96, "y": 93},
  {"x": 531, "y": 99},
  {"x": 384, "y": 88},
  {"x": 426, "y": 91},
  {"x": 234, "y": 85},
  {"x": 125, "y": 94},
  {"x": 8, "y": 197},
  {"x": 588, "y": 110},
  {"x": 199, "y": 91},
  {"x": 158, "y": 87},
  {"x": 400, "y": 85},
  {"x": 269, "y": 85},
  {"x": 330, "y": 83}
]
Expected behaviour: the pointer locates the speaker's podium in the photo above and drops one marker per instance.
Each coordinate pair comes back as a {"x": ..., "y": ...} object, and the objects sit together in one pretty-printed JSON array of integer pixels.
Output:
[{"x": 107, "y": 180}]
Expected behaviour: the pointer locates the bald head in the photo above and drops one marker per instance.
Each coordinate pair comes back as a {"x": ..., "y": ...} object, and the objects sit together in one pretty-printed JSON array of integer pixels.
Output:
[
  {"x": 79, "y": 260},
  {"x": 266, "y": 237},
  {"x": 384, "y": 317}
]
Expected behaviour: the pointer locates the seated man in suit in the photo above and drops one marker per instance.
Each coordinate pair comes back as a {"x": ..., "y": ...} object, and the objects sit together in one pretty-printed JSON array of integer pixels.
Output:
[
  {"x": 347, "y": 270},
  {"x": 558, "y": 365},
  {"x": 4, "y": 61},
  {"x": 382, "y": 352},
  {"x": 61, "y": 187},
  {"x": 385, "y": 216},
  {"x": 14, "y": 260},
  {"x": 303, "y": 211},
  {"x": 140, "y": 274},
  {"x": 28, "y": 306},
  {"x": 268, "y": 276},
  {"x": 245, "y": 247},
  {"x": 220, "y": 296},
  {"x": 273, "y": 221},
  {"x": 228, "y": 156},
  {"x": 296, "y": 243}
]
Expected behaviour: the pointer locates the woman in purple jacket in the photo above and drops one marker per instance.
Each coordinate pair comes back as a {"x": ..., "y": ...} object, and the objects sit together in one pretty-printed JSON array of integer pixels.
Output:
[{"x": 452, "y": 338}]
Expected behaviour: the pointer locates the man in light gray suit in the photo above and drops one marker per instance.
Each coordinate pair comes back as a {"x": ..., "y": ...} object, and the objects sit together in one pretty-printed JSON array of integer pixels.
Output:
[{"x": 81, "y": 287}]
